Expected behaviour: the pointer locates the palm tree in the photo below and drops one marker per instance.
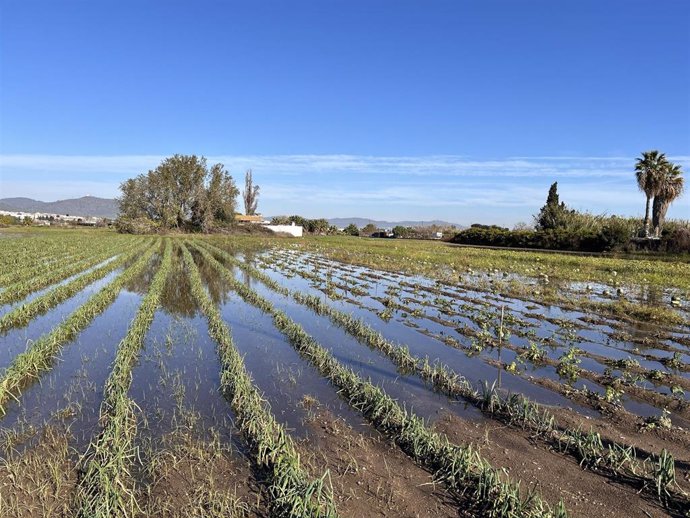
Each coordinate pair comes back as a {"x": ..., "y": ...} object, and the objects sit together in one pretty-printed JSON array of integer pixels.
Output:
[
  {"x": 648, "y": 171},
  {"x": 670, "y": 188}
]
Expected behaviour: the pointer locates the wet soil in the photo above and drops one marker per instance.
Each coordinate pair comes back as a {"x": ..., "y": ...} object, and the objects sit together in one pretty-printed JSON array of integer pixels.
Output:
[
  {"x": 370, "y": 477},
  {"x": 585, "y": 493},
  {"x": 41, "y": 480},
  {"x": 195, "y": 478}
]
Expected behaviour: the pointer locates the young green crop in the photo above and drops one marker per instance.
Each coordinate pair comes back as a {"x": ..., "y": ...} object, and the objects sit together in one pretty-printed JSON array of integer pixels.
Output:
[
  {"x": 465, "y": 473},
  {"x": 106, "y": 487},
  {"x": 568, "y": 366},
  {"x": 513, "y": 410},
  {"x": 28, "y": 365},
  {"x": 19, "y": 290},
  {"x": 23, "y": 314},
  {"x": 291, "y": 493}
]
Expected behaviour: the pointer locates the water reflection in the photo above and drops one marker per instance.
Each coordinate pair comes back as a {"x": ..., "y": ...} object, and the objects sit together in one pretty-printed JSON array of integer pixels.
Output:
[{"x": 217, "y": 286}]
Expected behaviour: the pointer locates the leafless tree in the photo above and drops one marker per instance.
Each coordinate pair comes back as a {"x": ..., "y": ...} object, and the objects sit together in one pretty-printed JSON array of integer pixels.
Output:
[{"x": 250, "y": 194}]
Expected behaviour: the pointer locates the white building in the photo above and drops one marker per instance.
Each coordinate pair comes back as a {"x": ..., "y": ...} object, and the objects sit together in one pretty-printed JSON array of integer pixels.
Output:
[{"x": 293, "y": 230}]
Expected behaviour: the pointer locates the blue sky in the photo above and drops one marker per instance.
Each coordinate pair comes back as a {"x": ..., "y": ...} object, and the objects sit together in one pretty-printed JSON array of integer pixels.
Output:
[{"x": 456, "y": 110}]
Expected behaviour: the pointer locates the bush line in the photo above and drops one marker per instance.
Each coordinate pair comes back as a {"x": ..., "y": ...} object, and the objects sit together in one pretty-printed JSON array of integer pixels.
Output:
[
  {"x": 291, "y": 493},
  {"x": 106, "y": 486},
  {"x": 30, "y": 364},
  {"x": 462, "y": 469}
]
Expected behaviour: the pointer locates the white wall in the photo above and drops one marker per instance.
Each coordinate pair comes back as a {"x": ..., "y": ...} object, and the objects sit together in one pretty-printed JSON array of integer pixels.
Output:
[{"x": 295, "y": 230}]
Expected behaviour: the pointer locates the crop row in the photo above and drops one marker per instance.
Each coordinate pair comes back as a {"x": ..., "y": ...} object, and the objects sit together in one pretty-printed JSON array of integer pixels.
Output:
[
  {"x": 38, "y": 266},
  {"x": 291, "y": 492},
  {"x": 18, "y": 254},
  {"x": 526, "y": 289},
  {"x": 567, "y": 367},
  {"x": 37, "y": 256},
  {"x": 567, "y": 363},
  {"x": 23, "y": 314},
  {"x": 19, "y": 290},
  {"x": 106, "y": 487},
  {"x": 445, "y": 296},
  {"x": 614, "y": 459},
  {"x": 465, "y": 473},
  {"x": 28, "y": 365}
]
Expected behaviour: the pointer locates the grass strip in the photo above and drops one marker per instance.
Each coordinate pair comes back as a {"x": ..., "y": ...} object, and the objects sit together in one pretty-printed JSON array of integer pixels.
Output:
[
  {"x": 106, "y": 486},
  {"x": 19, "y": 290},
  {"x": 613, "y": 459},
  {"x": 28, "y": 365},
  {"x": 291, "y": 493},
  {"x": 24, "y": 314},
  {"x": 466, "y": 474}
]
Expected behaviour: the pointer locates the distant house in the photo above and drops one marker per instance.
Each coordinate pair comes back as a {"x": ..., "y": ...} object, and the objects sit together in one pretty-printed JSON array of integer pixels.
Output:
[{"x": 257, "y": 219}]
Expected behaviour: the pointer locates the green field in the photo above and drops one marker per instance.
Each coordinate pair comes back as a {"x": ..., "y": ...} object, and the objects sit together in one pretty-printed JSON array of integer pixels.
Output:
[{"x": 194, "y": 375}]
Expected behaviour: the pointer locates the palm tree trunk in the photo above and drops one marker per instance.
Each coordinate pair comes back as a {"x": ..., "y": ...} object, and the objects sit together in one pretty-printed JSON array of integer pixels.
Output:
[
  {"x": 646, "y": 218},
  {"x": 659, "y": 210},
  {"x": 663, "y": 209}
]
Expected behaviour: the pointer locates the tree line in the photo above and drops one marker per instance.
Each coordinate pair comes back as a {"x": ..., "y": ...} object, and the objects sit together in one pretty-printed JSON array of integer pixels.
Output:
[
  {"x": 184, "y": 193},
  {"x": 557, "y": 226}
]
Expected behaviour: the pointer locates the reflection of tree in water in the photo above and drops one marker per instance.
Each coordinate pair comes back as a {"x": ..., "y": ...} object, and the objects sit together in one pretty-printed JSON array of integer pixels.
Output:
[
  {"x": 217, "y": 287},
  {"x": 177, "y": 296},
  {"x": 140, "y": 284},
  {"x": 249, "y": 257}
]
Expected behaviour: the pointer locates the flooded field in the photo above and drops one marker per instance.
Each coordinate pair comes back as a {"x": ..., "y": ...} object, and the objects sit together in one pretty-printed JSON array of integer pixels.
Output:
[{"x": 221, "y": 376}]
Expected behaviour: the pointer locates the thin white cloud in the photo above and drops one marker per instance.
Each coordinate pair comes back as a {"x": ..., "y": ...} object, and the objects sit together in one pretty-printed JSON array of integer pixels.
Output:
[{"x": 291, "y": 165}]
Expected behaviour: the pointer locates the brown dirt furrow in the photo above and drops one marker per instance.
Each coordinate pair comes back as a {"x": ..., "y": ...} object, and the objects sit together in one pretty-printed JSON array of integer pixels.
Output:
[
  {"x": 370, "y": 477},
  {"x": 555, "y": 476}
]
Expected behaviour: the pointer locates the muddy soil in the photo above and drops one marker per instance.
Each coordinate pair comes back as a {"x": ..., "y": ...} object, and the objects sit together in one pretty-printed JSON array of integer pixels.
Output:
[
  {"x": 200, "y": 478},
  {"x": 370, "y": 477},
  {"x": 585, "y": 494},
  {"x": 41, "y": 479}
]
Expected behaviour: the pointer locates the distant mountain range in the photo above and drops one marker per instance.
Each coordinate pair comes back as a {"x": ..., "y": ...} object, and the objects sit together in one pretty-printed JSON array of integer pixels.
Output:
[
  {"x": 361, "y": 222},
  {"x": 108, "y": 208},
  {"x": 85, "y": 206}
]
